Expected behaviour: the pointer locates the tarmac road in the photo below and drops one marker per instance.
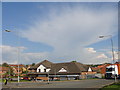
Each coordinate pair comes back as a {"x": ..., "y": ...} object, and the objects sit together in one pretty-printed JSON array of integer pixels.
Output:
[{"x": 91, "y": 83}]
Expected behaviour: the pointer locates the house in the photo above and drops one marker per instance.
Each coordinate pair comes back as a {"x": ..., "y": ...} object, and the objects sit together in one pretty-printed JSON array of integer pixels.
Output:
[
  {"x": 90, "y": 73},
  {"x": 68, "y": 70},
  {"x": 104, "y": 69},
  {"x": 41, "y": 67},
  {"x": 101, "y": 69},
  {"x": 3, "y": 71},
  {"x": 17, "y": 70},
  {"x": 40, "y": 70},
  {"x": 113, "y": 70},
  {"x": 28, "y": 67}
]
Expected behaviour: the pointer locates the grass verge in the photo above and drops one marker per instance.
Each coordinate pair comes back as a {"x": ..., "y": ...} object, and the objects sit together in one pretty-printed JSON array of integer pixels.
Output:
[{"x": 114, "y": 86}]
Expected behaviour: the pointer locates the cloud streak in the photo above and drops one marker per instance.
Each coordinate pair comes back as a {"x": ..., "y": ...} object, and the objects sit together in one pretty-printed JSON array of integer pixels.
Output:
[
  {"x": 69, "y": 30},
  {"x": 72, "y": 30}
]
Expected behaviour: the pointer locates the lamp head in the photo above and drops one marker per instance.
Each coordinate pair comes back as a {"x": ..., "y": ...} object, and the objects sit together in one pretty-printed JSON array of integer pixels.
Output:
[
  {"x": 101, "y": 36},
  {"x": 7, "y": 31}
]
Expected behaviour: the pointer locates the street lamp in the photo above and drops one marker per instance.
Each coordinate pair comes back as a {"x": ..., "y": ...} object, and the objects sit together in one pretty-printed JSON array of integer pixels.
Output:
[
  {"x": 48, "y": 77},
  {"x": 7, "y": 30},
  {"x": 112, "y": 51},
  {"x": 18, "y": 58}
]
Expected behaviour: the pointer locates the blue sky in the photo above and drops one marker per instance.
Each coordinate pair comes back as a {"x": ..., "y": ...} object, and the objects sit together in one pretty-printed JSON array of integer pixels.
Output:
[
  {"x": 46, "y": 31},
  {"x": 30, "y": 11}
]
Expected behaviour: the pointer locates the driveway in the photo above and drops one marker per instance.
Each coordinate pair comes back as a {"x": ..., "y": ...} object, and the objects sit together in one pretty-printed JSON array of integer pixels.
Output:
[{"x": 91, "y": 83}]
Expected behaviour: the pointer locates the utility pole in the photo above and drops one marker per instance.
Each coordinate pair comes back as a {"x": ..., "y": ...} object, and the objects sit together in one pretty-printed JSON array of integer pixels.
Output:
[{"x": 113, "y": 56}]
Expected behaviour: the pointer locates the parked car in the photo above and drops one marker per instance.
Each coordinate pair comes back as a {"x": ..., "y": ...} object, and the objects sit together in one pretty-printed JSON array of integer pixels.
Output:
[
  {"x": 25, "y": 78},
  {"x": 42, "y": 78}
]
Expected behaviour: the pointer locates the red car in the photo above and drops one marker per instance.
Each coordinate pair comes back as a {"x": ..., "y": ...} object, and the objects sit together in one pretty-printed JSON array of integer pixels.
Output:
[{"x": 25, "y": 78}]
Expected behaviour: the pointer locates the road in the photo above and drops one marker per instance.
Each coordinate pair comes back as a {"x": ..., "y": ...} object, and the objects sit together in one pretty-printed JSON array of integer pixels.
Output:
[{"x": 91, "y": 83}]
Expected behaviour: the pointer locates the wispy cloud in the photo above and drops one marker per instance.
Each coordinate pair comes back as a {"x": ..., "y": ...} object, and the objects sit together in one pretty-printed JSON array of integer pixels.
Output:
[
  {"x": 14, "y": 55},
  {"x": 70, "y": 30},
  {"x": 77, "y": 26}
]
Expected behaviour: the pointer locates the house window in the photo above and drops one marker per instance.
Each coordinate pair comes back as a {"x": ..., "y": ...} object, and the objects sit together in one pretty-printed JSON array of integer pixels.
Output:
[
  {"x": 39, "y": 70},
  {"x": 44, "y": 70},
  {"x": 110, "y": 69}
]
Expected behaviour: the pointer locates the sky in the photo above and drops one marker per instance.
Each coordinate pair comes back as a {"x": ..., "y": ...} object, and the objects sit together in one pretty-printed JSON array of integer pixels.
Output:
[{"x": 59, "y": 32}]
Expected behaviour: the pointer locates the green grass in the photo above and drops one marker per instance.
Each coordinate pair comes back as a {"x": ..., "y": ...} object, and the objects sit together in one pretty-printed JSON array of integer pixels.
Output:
[
  {"x": 115, "y": 86},
  {"x": 25, "y": 81},
  {"x": 20, "y": 81},
  {"x": 1, "y": 80}
]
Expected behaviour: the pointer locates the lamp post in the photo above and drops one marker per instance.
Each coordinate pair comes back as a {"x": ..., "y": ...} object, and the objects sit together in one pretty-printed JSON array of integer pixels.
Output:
[
  {"x": 113, "y": 57},
  {"x": 48, "y": 77},
  {"x": 18, "y": 57}
]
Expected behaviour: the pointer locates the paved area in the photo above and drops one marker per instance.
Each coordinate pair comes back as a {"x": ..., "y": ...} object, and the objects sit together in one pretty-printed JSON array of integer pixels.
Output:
[{"x": 91, "y": 83}]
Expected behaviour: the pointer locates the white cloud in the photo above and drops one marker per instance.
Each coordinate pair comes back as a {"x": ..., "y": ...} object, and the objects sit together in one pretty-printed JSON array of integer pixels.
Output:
[
  {"x": 91, "y": 50},
  {"x": 93, "y": 57},
  {"x": 12, "y": 55},
  {"x": 89, "y": 55},
  {"x": 77, "y": 26},
  {"x": 71, "y": 31},
  {"x": 116, "y": 55},
  {"x": 102, "y": 56}
]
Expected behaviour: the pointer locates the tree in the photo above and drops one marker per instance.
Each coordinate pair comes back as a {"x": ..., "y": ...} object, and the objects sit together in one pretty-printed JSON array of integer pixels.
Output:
[
  {"x": 10, "y": 71},
  {"x": 5, "y": 65},
  {"x": 27, "y": 65},
  {"x": 33, "y": 64},
  {"x": 73, "y": 61}
]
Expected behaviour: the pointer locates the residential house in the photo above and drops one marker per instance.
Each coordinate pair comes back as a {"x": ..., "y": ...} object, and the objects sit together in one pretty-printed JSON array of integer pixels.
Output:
[
  {"x": 41, "y": 67},
  {"x": 102, "y": 68},
  {"x": 90, "y": 73},
  {"x": 68, "y": 70},
  {"x": 28, "y": 67},
  {"x": 113, "y": 69},
  {"x": 40, "y": 70},
  {"x": 3, "y": 71},
  {"x": 17, "y": 70},
  {"x": 118, "y": 64}
]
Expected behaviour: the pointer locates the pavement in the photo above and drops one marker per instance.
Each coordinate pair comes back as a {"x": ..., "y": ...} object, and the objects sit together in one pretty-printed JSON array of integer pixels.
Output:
[{"x": 88, "y": 83}]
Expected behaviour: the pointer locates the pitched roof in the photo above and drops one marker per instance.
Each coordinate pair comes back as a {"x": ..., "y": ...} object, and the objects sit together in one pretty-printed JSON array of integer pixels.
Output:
[
  {"x": 117, "y": 63},
  {"x": 100, "y": 68},
  {"x": 16, "y": 68},
  {"x": 4, "y": 68},
  {"x": 71, "y": 67},
  {"x": 16, "y": 65},
  {"x": 45, "y": 63}
]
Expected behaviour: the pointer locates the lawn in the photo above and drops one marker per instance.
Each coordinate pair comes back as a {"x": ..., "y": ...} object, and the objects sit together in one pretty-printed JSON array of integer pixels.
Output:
[
  {"x": 19, "y": 81},
  {"x": 1, "y": 80},
  {"x": 115, "y": 86}
]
